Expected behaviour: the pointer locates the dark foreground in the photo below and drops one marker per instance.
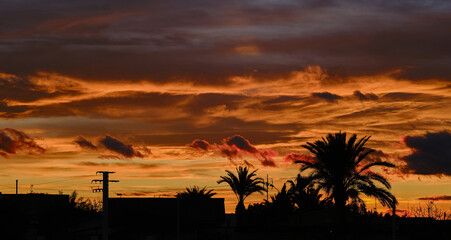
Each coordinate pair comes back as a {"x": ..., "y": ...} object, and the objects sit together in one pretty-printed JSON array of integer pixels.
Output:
[{"x": 48, "y": 217}]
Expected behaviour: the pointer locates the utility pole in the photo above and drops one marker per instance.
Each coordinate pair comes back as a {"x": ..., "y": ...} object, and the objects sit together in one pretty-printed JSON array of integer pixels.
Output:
[
  {"x": 105, "y": 190},
  {"x": 17, "y": 187}
]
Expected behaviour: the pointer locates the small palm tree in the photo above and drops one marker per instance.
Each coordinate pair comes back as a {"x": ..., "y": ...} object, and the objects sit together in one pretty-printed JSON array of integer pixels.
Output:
[
  {"x": 281, "y": 203},
  {"x": 282, "y": 197},
  {"x": 339, "y": 169},
  {"x": 304, "y": 194},
  {"x": 243, "y": 185},
  {"x": 195, "y": 193}
]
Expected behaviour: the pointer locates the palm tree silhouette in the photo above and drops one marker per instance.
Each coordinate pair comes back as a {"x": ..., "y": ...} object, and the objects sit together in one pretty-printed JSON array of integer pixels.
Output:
[
  {"x": 281, "y": 198},
  {"x": 243, "y": 185},
  {"x": 342, "y": 170},
  {"x": 281, "y": 204},
  {"x": 195, "y": 193},
  {"x": 304, "y": 194}
]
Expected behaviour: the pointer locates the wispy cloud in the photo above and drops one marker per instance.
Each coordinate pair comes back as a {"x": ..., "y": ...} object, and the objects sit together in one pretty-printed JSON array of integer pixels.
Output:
[
  {"x": 436, "y": 198},
  {"x": 293, "y": 157}
]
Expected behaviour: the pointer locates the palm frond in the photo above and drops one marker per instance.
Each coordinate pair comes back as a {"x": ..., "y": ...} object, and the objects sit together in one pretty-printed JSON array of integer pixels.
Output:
[
  {"x": 244, "y": 183},
  {"x": 336, "y": 169},
  {"x": 384, "y": 164},
  {"x": 196, "y": 193}
]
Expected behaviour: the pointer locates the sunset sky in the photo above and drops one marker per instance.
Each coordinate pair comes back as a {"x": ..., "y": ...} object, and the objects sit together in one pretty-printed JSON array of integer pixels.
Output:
[{"x": 156, "y": 90}]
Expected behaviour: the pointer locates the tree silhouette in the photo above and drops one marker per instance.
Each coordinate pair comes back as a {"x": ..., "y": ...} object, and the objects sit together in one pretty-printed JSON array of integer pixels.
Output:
[
  {"x": 304, "y": 194},
  {"x": 243, "y": 184},
  {"x": 195, "y": 193},
  {"x": 83, "y": 204},
  {"x": 281, "y": 204},
  {"x": 282, "y": 197},
  {"x": 338, "y": 169}
]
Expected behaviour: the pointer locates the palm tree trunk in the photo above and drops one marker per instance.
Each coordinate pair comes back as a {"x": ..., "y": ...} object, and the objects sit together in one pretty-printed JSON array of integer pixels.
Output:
[
  {"x": 239, "y": 213},
  {"x": 340, "y": 205}
]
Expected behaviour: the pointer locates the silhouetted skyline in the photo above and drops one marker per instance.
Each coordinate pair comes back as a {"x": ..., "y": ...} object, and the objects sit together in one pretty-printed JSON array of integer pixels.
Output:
[{"x": 170, "y": 94}]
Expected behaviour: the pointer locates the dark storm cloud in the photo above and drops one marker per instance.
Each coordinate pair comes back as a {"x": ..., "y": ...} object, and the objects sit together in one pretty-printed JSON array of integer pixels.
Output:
[
  {"x": 330, "y": 97},
  {"x": 431, "y": 153},
  {"x": 175, "y": 41},
  {"x": 436, "y": 198},
  {"x": 116, "y": 146},
  {"x": 364, "y": 97},
  {"x": 12, "y": 140},
  {"x": 82, "y": 142}
]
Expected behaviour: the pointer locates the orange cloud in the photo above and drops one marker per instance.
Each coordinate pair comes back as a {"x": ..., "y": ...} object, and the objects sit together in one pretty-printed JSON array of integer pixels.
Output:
[{"x": 250, "y": 50}]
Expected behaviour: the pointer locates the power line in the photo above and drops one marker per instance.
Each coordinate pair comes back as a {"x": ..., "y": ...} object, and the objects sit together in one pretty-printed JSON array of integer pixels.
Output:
[
  {"x": 69, "y": 179},
  {"x": 65, "y": 187}
]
